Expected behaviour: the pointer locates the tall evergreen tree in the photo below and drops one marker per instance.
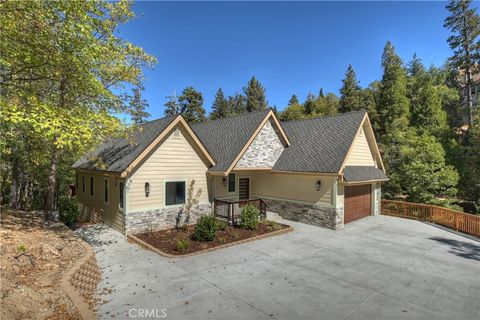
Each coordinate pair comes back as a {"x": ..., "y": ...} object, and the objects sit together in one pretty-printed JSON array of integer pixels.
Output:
[
  {"x": 255, "y": 94},
  {"x": 293, "y": 100},
  {"x": 220, "y": 106},
  {"x": 172, "y": 107},
  {"x": 321, "y": 94},
  {"x": 237, "y": 104},
  {"x": 309, "y": 105},
  {"x": 428, "y": 115},
  {"x": 415, "y": 66},
  {"x": 350, "y": 98},
  {"x": 464, "y": 22},
  {"x": 393, "y": 107},
  {"x": 138, "y": 106},
  {"x": 191, "y": 105}
]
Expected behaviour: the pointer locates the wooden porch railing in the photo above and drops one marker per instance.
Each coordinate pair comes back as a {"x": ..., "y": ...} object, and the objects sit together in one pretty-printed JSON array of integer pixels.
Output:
[
  {"x": 457, "y": 220},
  {"x": 230, "y": 210}
]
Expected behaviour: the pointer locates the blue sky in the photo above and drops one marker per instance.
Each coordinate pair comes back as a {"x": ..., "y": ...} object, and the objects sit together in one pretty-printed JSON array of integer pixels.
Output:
[{"x": 291, "y": 47}]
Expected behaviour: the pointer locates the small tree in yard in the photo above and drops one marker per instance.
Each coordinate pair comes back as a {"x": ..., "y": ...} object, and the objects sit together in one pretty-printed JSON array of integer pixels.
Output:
[{"x": 190, "y": 203}]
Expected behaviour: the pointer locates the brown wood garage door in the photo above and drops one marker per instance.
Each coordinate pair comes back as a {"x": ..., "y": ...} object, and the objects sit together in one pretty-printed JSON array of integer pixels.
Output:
[{"x": 358, "y": 202}]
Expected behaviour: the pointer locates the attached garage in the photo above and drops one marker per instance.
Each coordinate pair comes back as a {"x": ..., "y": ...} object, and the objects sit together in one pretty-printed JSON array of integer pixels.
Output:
[
  {"x": 358, "y": 202},
  {"x": 358, "y": 195}
]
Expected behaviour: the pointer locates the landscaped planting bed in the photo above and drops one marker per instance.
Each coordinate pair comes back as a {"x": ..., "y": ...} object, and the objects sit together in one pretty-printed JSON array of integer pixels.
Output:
[{"x": 182, "y": 241}]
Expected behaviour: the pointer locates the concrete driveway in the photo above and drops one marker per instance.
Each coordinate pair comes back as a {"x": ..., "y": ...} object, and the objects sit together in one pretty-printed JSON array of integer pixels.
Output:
[{"x": 375, "y": 268}]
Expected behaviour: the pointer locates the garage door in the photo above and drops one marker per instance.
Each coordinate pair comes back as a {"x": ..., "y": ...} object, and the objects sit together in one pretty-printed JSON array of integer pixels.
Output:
[{"x": 358, "y": 202}]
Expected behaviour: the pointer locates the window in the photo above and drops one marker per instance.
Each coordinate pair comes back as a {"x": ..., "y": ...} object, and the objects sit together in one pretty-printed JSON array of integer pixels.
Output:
[
  {"x": 92, "y": 186},
  {"x": 106, "y": 190},
  {"x": 174, "y": 193},
  {"x": 120, "y": 194},
  {"x": 231, "y": 182},
  {"x": 83, "y": 183}
]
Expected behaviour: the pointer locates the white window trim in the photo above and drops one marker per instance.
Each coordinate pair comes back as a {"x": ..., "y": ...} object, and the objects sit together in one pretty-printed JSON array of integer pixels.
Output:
[
  {"x": 92, "y": 191},
  {"x": 108, "y": 190},
  {"x": 165, "y": 192},
  {"x": 234, "y": 192}
]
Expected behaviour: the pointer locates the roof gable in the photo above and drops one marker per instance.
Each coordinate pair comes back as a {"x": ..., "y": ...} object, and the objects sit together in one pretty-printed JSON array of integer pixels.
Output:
[
  {"x": 224, "y": 138},
  {"x": 319, "y": 144},
  {"x": 123, "y": 154}
]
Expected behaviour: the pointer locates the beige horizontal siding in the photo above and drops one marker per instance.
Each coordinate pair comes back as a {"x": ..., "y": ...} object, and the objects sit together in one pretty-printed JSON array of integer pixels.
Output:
[
  {"x": 174, "y": 159},
  {"x": 361, "y": 154},
  {"x": 292, "y": 187},
  {"x": 109, "y": 211}
]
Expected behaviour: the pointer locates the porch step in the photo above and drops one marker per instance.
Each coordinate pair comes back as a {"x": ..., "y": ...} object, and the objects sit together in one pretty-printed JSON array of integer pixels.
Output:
[{"x": 273, "y": 216}]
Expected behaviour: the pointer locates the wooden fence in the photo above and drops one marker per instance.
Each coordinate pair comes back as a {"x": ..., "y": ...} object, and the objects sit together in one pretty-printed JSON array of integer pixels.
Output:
[{"x": 457, "y": 220}]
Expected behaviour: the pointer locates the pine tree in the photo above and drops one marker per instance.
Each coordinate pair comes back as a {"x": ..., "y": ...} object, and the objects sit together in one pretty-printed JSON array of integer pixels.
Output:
[
  {"x": 237, "y": 104},
  {"x": 464, "y": 22},
  {"x": 428, "y": 115},
  {"x": 320, "y": 94},
  {"x": 255, "y": 94},
  {"x": 138, "y": 106},
  {"x": 172, "y": 107},
  {"x": 415, "y": 66},
  {"x": 309, "y": 105},
  {"x": 350, "y": 92},
  {"x": 393, "y": 106},
  {"x": 293, "y": 100},
  {"x": 220, "y": 106},
  {"x": 191, "y": 105}
]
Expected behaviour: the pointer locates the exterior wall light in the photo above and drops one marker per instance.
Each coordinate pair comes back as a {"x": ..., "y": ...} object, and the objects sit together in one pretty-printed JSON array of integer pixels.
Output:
[
  {"x": 318, "y": 185},
  {"x": 147, "y": 189},
  {"x": 224, "y": 181}
]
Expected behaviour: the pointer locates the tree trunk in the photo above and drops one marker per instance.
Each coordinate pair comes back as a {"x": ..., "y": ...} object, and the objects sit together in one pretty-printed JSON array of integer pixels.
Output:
[
  {"x": 469, "y": 96},
  {"x": 52, "y": 182}
]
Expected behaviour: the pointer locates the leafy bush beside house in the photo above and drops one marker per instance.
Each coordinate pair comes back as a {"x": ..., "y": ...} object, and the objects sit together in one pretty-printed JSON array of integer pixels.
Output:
[
  {"x": 205, "y": 229},
  {"x": 249, "y": 217},
  {"x": 68, "y": 211}
]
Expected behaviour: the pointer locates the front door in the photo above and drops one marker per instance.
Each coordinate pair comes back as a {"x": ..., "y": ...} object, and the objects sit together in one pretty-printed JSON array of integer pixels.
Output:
[{"x": 243, "y": 188}]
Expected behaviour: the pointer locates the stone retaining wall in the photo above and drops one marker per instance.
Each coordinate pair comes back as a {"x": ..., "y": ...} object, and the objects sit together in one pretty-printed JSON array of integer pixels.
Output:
[
  {"x": 80, "y": 283},
  {"x": 326, "y": 217},
  {"x": 158, "y": 219}
]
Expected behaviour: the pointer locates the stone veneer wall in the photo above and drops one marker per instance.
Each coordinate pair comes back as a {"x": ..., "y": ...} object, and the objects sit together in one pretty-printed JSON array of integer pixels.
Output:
[
  {"x": 326, "y": 217},
  {"x": 158, "y": 219},
  {"x": 264, "y": 150}
]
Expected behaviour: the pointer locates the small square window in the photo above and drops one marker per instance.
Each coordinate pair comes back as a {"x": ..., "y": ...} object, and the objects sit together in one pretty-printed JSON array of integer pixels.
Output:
[
  {"x": 174, "y": 193},
  {"x": 231, "y": 182}
]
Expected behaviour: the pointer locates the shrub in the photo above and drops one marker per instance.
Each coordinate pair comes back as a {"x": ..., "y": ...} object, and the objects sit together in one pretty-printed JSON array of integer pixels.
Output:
[
  {"x": 182, "y": 243},
  {"x": 273, "y": 226},
  {"x": 68, "y": 211},
  {"x": 222, "y": 240},
  {"x": 220, "y": 224},
  {"x": 205, "y": 229},
  {"x": 249, "y": 217}
]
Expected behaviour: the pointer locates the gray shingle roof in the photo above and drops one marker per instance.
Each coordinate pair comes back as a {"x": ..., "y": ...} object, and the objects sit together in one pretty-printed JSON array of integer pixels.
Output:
[
  {"x": 225, "y": 138},
  {"x": 117, "y": 154},
  {"x": 320, "y": 144},
  {"x": 363, "y": 173}
]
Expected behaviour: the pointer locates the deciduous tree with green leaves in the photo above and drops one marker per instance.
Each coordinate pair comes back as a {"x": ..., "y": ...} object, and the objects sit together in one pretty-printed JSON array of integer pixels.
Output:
[{"x": 61, "y": 66}]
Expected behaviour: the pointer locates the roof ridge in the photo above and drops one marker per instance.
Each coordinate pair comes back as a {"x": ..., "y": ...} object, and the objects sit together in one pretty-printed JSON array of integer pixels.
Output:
[
  {"x": 327, "y": 116},
  {"x": 151, "y": 121},
  {"x": 232, "y": 117}
]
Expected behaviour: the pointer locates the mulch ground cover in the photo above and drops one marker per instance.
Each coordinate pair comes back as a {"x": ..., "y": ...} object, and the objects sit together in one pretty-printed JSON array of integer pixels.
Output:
[{"x": 165, "y": 240}]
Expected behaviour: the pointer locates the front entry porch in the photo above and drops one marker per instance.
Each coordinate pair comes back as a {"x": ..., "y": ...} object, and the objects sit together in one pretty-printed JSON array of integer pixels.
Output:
[{"x": 231, "y": 209}]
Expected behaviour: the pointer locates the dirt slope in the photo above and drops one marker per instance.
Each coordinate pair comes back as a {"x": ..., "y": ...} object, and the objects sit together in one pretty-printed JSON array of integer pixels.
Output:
[{"x": 34, "y": 254}]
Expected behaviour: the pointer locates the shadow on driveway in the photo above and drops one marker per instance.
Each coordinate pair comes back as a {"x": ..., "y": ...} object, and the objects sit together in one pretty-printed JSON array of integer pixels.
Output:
[{"x": 462, "y": 249}]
